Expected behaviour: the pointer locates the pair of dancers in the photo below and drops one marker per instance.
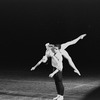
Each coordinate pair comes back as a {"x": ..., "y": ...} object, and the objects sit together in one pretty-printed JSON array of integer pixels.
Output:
[{"x": 56, "y": 52}]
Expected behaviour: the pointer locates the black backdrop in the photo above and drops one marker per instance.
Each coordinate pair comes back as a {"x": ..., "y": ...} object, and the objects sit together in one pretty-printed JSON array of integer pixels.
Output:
[{"x": 26, "y": 25}]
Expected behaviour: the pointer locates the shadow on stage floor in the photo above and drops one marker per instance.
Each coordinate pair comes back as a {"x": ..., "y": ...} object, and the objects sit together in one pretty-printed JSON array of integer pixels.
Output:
[{"x": 93, "y": 95}]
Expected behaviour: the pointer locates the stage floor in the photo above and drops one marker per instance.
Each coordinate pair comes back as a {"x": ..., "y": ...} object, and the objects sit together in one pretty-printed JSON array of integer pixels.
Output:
[{"x": 44, "y": 89}]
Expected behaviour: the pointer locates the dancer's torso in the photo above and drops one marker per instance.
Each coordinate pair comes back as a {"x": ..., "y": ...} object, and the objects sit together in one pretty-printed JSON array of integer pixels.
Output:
[{"x": 58, "y": 64}]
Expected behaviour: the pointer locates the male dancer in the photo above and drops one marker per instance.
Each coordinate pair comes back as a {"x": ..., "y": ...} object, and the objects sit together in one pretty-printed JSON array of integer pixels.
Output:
[{"x": 56, "y": 52}]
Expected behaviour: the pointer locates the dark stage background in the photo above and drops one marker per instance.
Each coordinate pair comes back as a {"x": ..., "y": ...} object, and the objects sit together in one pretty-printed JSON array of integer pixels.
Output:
[{"x": 26, "y": 25}]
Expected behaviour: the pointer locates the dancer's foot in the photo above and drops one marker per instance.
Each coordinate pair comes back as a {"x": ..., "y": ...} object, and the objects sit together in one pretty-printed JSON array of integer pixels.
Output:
[
  {"x": 60, "y": 97},
  {"x": 56, "y": 97}
]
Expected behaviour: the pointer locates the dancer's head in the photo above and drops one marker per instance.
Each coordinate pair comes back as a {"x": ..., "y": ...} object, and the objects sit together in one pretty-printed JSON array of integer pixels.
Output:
[
  {"x": 49, "y": 46},
  {"x": 54, "y": 48}
]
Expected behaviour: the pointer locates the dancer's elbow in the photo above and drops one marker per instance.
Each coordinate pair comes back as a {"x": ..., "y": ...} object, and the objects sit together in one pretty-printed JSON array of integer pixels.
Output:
[{"x": 44, "y": 59}]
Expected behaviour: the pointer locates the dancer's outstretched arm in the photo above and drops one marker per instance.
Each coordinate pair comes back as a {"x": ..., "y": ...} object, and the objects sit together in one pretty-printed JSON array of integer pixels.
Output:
[
  {"x": 48, "y": 53},
  {"x": 65, "y": 45},
  {"x": 44, "y": 59},
  {"x": 33, "y": 68},
  {"x": 66, "y": 55}
]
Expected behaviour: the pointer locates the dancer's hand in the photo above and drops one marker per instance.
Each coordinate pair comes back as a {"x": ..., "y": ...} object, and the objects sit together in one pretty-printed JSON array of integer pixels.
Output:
[
  {"x": 76, "y": 71},
  {"x": 82, "y": 36},
  {"x": 33, "y": 68},
  {"x": 51, "y": 75}
]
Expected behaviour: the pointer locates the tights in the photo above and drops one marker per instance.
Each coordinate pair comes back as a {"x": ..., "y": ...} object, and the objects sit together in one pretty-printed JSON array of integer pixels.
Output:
[{"x": 58, "y": 82}]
